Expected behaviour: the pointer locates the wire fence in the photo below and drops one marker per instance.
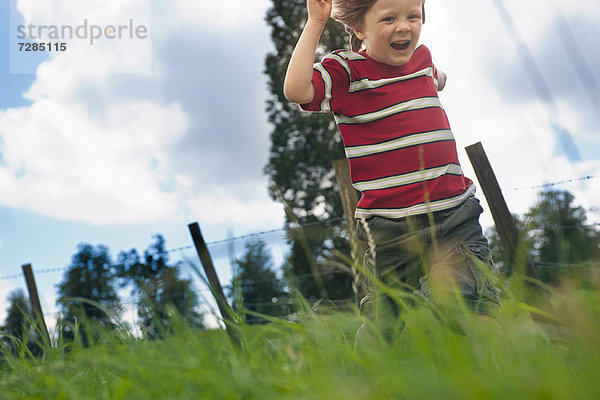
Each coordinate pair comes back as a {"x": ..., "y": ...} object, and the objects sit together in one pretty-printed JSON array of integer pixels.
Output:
[
  {"x": 329, "y": 222},
  {"x": 553, "y": 265},
  {"x": 282, "y": 302},
  {"x": 551, "y": 184},
  {"x": 323, "y": 223},
  {"x": 541, "y": 87}
]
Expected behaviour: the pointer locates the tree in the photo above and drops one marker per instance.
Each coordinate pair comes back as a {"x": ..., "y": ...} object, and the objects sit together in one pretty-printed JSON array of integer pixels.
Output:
[
  {"x": 501, "y": 262},
  {"x": 18, "y": 314},
  {"x": 255, "y": 286},
  {"x": 560, "y": 234},
  {"x": 303, "y": 145},
  {"x": 159, "y": 289},
  {"x": 18, "y": 325},
  {"x": 555, "y": 236},
  {"x": 90, "y": 276}
]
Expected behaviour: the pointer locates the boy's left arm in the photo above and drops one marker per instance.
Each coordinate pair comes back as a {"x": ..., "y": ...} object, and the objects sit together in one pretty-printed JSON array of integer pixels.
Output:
[{"x": 441, "y": 80}]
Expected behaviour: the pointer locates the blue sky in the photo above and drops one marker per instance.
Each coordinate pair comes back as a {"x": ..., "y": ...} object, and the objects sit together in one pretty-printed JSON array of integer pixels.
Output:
[
  {"x": 12, "y": 85},
  {"x": 113, "y": 143}
]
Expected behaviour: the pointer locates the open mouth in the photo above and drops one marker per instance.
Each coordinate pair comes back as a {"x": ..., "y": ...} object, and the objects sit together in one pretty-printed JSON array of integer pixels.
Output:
[{"x": 400, "y": 44}]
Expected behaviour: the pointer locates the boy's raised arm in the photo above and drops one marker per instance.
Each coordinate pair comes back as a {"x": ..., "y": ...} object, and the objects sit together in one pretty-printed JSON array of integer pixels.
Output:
[{"x": 298, "y": 86}]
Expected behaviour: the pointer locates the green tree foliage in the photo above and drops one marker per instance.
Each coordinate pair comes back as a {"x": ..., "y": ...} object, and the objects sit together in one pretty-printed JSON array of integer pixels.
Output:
[
  {"x": 255, "y": 286},
  {"x": 555, "y": 236},
  {"x": 18, "y": 332},
  {"x": 161, "y": 292},
  {"x": 303, "y": 145},
  {"x": 501, "y": 262},
  {"x": 18, "y": 314},
  {"x": 560, "y": 235},
  {"x": 90, "y": 276}
]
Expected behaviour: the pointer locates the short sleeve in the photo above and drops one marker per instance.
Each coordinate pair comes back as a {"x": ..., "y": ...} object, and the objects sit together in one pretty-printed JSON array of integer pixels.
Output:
[
  {"x": 435, "y": 73},
  {"x": 426, "y": 61},
  {"x": 435, "y": 76},
  {"x": 331, "y": 78}
]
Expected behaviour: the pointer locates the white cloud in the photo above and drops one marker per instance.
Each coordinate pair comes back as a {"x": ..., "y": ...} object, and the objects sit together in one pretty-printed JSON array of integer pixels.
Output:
[
  {"x": 466, "y": 38},
  {"x": 88, "y": 150},
  {"x": 220, "y": 205},
  {"x": 532, "y": 18},
  {"x": 224, "y": 16},
  {"x": 85, "y": 150},
  {"x": 60, "y": 161},
  {"x": 60, "y": 12}
]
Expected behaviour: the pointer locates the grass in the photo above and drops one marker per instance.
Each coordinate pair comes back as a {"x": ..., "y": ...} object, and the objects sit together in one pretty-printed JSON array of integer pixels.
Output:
[{"x": 546, "y": 349}]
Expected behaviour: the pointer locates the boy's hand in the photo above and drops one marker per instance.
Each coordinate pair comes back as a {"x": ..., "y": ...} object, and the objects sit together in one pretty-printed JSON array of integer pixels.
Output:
[
  {"x": 319, "y": 10},
  {"x": 298, "y": 86}
]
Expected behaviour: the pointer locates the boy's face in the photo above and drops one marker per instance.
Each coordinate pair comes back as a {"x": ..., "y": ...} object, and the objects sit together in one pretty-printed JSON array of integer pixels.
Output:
[{"x": 391, "y": 30}]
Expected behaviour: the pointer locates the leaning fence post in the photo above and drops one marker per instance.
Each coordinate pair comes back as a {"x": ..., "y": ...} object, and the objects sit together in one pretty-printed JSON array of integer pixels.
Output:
[
  {"x": 503, "y": 219},
  {"x": 34, "y": 300},
  {"x": 213, "y": 281}
]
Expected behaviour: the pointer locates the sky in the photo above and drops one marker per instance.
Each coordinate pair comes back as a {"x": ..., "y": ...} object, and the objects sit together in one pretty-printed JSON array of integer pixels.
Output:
[{"x": 117, "y": 139}]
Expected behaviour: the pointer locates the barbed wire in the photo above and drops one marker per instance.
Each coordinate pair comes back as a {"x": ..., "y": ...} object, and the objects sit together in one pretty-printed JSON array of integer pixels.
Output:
[
  {"x": 60, "y": 269},
  {"x": 291, "y": 301},
  {"x": 564, "y": 227},
  {"x": 550, "y": 184},
  {"x": 295, "y": 277},
  {"x": 325, "y": 223},
  {"x": 10, "y": 277},
  {"x": 262, "y": 233},
  {"x": 50, "y": 270},
  {"x": 182, "y": 248},
  {"x": 36, "y": 271},
  {"x": 585, "y": 265},
  {"x": 231, "y": 239}
]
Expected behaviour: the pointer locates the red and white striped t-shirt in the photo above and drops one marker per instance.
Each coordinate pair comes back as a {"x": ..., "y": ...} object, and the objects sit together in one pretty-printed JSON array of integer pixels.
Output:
[{"x": 397, "y": 138}]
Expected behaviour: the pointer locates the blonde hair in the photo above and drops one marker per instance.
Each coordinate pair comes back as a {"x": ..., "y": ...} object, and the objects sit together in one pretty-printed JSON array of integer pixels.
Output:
[{"x": 351, "y": 14}]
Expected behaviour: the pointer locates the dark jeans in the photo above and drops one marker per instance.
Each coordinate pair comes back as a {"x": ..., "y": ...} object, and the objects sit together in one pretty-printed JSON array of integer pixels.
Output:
[{"x": 442, "y": 257}]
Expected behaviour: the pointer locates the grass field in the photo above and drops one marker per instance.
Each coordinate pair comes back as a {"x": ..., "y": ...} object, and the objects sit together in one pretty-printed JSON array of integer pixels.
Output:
[{"x": 555, "y": 357}]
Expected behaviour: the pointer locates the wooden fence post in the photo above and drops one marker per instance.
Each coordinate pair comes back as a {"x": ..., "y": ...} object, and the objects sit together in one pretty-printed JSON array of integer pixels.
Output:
[
  {"x": 213, "y": 281},
  {"x": 350, "y": 196},
  {"x": 503, "y": 219},
  {"x": 36, "y": 307}
]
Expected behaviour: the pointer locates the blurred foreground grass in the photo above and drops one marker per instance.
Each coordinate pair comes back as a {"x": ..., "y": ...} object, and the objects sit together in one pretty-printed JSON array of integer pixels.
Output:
[{"x": 553, "y": 352}]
